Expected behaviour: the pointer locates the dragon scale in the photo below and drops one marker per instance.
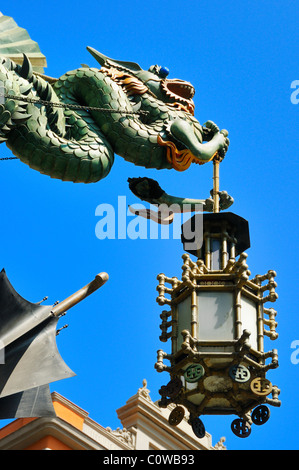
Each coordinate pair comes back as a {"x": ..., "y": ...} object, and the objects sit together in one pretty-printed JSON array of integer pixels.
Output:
[{"x": 153, "y": 124}]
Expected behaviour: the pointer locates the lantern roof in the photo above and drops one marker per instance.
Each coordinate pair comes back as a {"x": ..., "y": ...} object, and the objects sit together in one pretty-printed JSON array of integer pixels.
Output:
[{"x": 233, "y": 223}]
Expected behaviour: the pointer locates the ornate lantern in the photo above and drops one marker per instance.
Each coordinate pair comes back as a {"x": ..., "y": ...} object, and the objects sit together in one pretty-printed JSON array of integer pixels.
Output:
[{"x": 216, "y": 323}]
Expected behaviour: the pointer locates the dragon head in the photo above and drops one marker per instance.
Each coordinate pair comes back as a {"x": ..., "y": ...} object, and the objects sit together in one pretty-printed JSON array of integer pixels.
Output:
[
  {"x": 171, "y": 91},
  {"x": 182, "y": 136}
]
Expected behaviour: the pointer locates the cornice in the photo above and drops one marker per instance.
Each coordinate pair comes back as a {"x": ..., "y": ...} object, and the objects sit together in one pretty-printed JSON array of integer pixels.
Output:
[{"x": 34, "y": 431}]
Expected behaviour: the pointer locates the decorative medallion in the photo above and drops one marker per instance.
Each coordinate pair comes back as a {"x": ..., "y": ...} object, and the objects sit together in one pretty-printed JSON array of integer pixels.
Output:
[
  {"x": 261, "y": 386},
  {"x": 172, "y": 389},
  {"x": 260, "y": 415},
  {"x": 176, "y": 416},
  {"x": 241, "y": 428},
  {"x": 193, "y": 373},
  {"x": 239, "y": 373},
  {"x": 198, "y": 427}
]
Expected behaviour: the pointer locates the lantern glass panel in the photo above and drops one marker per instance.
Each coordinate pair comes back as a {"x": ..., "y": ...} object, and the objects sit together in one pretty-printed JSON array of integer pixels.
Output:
[
  {"x": 215, "y": 316},
  {"x": 215, "y": 254},
  {"x": 184, "y": 318},
  {"x": 249, "y": 319}
]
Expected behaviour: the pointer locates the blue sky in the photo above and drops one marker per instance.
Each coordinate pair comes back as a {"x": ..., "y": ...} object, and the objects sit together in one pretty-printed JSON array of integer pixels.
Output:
[{"x": 242, "y": 58}]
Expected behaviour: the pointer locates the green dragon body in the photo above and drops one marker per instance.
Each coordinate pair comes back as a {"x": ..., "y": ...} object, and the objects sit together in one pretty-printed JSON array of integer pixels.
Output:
[{"x": 140, "y": 115}]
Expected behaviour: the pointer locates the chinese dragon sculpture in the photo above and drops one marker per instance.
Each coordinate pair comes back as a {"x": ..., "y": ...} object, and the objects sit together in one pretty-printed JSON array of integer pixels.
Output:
[{"x": 70, "y": 128}]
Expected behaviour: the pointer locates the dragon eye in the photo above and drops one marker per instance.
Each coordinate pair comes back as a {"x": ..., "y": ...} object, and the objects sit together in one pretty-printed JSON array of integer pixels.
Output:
[{"x": 163, "y": 72}]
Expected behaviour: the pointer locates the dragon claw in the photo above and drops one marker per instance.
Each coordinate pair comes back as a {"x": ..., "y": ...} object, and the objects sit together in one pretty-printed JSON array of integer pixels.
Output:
[
  {"x": 225, "y": 201},
  {"x": 212, "y": 126},
  {"x": 209, "y": 205},
  {"x": 224, "y": 132}
]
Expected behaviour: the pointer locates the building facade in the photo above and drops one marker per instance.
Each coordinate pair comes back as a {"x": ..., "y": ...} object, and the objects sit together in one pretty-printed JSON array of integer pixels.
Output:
[{"x": 145, "y": 426}]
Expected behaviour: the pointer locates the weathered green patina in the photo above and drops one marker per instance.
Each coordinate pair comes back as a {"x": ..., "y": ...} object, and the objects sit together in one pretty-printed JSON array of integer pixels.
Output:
[{"x": 79, "y": 145}]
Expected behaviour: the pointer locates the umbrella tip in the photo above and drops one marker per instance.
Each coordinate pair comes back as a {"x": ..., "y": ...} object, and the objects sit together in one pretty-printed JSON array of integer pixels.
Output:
[{"x": 102, "y": 277}]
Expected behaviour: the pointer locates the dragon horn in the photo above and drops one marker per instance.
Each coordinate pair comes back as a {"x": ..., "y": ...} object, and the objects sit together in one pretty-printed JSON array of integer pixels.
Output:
[{"x": 104, "y": 60}]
